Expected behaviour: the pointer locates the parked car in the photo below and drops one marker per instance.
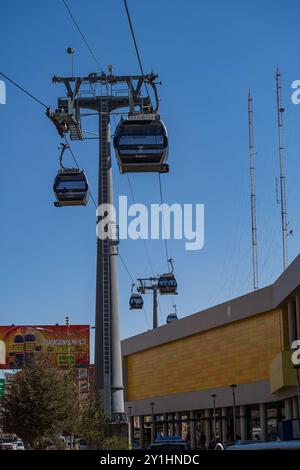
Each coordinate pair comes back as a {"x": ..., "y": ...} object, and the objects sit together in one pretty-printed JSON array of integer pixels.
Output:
[
  {"x": 8, "y": 446},
  {"x": 173, "y": 443},
  {"x": 261, "y": 445},
  {"x": 82, "y": 444},
  {"x": 20, "y": 444}
]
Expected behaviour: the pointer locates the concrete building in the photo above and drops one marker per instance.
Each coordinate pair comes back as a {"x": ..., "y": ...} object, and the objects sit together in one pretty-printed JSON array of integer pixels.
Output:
[{"x": 172, "y": 372}]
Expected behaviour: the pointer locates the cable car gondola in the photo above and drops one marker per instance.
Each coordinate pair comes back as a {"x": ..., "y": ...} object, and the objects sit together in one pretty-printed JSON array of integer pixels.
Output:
[
  {"x": 172, "y": 316},
  {"x": 70, "y": 185},
  {"x": 136, "y": 301},
  {"x": 141, "y": 144},
  {"x": 167, "y": 283}
]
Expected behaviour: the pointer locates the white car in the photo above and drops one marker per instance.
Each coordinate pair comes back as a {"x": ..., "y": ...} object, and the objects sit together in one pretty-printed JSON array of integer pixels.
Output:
[{"x": 20, "y": 445}]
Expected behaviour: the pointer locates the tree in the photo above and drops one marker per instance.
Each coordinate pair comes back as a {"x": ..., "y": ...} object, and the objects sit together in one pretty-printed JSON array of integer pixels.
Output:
[
  {"x": 92, "y": 422},
  {"x": 41, "y": 402}
]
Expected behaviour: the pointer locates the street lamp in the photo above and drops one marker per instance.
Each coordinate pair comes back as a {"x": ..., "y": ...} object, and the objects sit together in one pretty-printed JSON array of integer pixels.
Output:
[
  {"x": 233, "y": 387},
  {"x": 297, "y": 367},
  {"x": 214, "y": 415}
]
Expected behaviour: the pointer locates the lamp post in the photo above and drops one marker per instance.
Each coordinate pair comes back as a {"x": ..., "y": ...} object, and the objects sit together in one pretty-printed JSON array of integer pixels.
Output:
[
  {"x": 214, "y": 396},
  {"x": 233, "y": 387},
  {"x": 297, "y": 367}
]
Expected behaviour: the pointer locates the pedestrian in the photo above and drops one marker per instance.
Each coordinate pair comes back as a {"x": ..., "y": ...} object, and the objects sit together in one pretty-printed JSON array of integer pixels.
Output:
[
  {"x": 212, "y": 442},
  {"x": 202, "y": 440}
]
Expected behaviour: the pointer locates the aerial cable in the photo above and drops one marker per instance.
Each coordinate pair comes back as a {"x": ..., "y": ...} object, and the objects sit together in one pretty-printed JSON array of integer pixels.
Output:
[
  {"x": 144, "y": 241},
  {"x": 163, "y": 220},
  {"x": 77, "y": 165},
  {"x": 133, "y": 284},
  {"x": 24, "y": 91},
  {"x": 83, "y": 36},
  {"x": 135, "y": 46}
]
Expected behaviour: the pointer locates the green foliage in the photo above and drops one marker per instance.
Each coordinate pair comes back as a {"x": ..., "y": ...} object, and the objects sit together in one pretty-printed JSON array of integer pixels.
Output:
[
  {"x": 42, "y": 401},
  {"x": 115, "y": 443},
  {"x": 92, "y": 422}
]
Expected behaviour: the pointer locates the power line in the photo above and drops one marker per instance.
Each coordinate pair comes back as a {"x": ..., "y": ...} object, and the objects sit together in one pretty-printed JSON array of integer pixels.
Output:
[
  {"x": 24, "y": 90},
  {"x": 83, "y": 36}
]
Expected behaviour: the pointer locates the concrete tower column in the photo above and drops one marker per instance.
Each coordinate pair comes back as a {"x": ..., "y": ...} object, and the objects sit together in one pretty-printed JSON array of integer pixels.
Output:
[
  {"x": 165, "y": 425},
  {"x": 178, "y": 426},
  {"x": 298, "y": 315},
  {"x": 131, "y": 428},
  {"x": 193, "y": 430},
  {"x": 295, "y": 407},
  {"x": 224, "y": 424},
  {"x": 207, "y": 426},
  {"x": 288, "y": 410},
  {"x": 292, "y": 322},
  {"x": 142, "y": 432},
  {"x": 263, "y": 421},
  {"x": 153, "y": 428},
  {"x": 243, "y": 422},
  {"x": 172, "y": 424}
]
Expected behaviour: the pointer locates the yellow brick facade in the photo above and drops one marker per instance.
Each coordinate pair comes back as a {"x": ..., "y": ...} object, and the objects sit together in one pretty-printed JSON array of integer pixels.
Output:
[{"x": 239, "y": 352}]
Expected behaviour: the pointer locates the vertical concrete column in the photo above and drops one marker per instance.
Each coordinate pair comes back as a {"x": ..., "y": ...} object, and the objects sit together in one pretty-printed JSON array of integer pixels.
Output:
[
  {"x": 288, "y": 410},
  {"x": 142, "y": 432},
  {"x": 292, "y": 322},
  {"x": 243, "y": 422},
  {"x": 165, "y": 425},
  {"x": 295, "y": 407},
  {"x": 153, "y": 428},
  {"x": 207, "y": 431},
  {"x": 172, "y": 424},
  {"x": 131, "y": 429},
  {"x": 224, "y": 424},
  {"x": 178, "y": 426},
  {"x": 193, "y": 430},
  {"x": 263, "y": 421},
  {"x": 298, "y": 316}
]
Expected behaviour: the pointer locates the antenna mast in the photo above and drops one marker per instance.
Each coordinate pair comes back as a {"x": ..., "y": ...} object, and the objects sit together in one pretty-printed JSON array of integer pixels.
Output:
[
  {"x": 284, "y": 223},
  {"x": 252, "y": 194}
]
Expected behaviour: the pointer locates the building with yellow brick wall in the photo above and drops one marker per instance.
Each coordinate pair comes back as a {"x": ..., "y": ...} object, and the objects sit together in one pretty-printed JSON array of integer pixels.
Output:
[{"x": 173, "y": 372}]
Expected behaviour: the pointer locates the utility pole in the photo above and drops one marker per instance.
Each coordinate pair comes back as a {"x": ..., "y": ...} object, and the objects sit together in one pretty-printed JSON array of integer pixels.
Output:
[
  {"x": 284, "y": 223},
  {"x": 108, "y": 360},
  {"x": 252, "y": 194}
]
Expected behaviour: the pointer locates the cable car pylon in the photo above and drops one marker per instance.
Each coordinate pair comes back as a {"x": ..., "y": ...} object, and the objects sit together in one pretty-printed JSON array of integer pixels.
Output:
[
  {"x": 164, "y": 284},
  {"x": 67, "y": 119}
]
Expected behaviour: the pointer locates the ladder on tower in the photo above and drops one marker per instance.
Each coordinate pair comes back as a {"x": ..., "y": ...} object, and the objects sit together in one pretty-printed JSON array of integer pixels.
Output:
[{"x": 106, "y": 268}]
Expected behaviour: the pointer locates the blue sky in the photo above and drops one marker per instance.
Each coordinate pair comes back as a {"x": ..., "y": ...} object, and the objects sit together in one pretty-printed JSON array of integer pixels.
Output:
[{"x": 208, "y": 54}]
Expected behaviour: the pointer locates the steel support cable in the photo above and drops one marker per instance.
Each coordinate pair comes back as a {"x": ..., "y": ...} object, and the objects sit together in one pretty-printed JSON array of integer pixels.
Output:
[
  {"x": 145, "y": 247},
  {"x": 82, "y": 35},
  {"x": 106, "y": 85},
  {"x": 164, "y": 228},
  {"x": 163, "y": 219},
  {"x": 24, "y": 90},
  {"x": 144, "y": 241},
  {"x": 76, "y": 163},
  {"x": 136, "y": 46},
  {"x": 133, "y": 282}
]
